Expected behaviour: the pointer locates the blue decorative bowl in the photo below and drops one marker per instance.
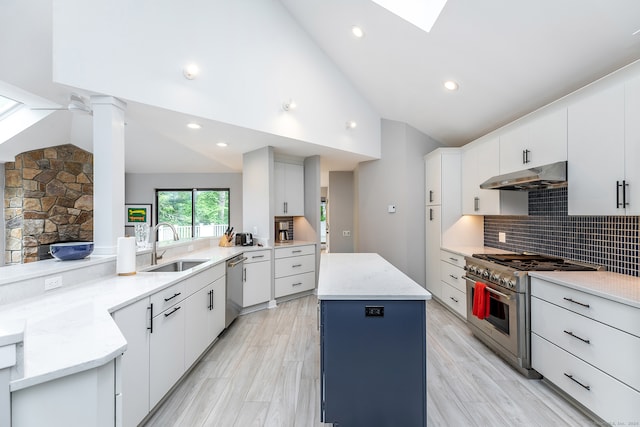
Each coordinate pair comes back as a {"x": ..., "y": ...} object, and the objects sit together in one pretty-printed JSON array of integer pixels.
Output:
[{"x": 71, "y": 250}]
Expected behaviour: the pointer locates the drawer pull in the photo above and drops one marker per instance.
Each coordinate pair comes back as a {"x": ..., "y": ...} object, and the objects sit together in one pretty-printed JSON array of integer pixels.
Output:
[
  {"x": 170, "y": 298},
  {"x": 454, "y": 300},
  {"x": 296, "y": 265},
  {"x": 576, "y": 381},
  {"x": 454, "y": 277},
  {"x": 576, "y": 302},
  {"x": 296, "y": 251},
  {"x": 577, "y": 337},
  {"x": 296, "y": 284},
  {"x": 257, "y": 256},
  {"x": 171, "y": 312},
  {"x": 453, "y": 259}
]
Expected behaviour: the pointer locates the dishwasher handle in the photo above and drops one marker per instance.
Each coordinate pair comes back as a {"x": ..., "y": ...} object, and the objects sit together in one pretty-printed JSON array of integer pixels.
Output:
[{"x": 235, "y": 262}]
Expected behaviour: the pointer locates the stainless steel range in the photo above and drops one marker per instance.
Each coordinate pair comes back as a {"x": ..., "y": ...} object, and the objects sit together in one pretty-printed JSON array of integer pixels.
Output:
[{"x": 506, "y": 329}]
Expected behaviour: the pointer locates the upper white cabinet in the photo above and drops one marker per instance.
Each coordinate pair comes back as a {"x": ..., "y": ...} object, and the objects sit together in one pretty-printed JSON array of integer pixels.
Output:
[
  {"x": 596, "y": 153},
  {"x": 433, "y": 174},
  {"x": 289, "y": 189},
  {"x": 632, "y": 147},
  {"x": 539, "y": 142},
  {"x": 481, "y": 161}
]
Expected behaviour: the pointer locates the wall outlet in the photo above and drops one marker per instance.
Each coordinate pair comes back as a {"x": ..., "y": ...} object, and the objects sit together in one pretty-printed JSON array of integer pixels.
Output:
[
  {"x": 502, "y": 237},
  {"x": 52, "y": 283},
  {"x": 346, "y": 233}
]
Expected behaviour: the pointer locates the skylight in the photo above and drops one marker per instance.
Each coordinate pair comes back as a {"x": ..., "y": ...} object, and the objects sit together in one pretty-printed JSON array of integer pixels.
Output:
[
  {"x": 7, "y": 106},
  {"x": 421, "y": 13}
]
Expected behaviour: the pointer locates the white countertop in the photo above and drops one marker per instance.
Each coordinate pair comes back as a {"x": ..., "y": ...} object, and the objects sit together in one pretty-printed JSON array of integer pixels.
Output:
[
  {"x": 70, "y": 329},
  {"x": 291, "y": 243},
  {"x": 470, "y": 250},
  {"x": 616, "y": 287},
  {"x": 365, "y": 276}
]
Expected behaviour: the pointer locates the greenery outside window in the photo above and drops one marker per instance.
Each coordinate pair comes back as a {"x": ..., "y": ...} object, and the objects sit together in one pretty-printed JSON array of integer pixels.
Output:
[{"x": 194, "y": 213}]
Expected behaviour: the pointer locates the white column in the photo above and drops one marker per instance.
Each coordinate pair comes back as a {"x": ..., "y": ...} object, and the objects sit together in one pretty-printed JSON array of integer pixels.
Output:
[{"x": 108, "y": 173}]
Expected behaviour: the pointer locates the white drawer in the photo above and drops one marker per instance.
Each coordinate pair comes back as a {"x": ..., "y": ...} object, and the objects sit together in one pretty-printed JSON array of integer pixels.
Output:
[
  {"x": 294, "y": 284},
  {"x": 198, "y": 281},
  {"x": 295, "y": 265},
  {"x": 257, "y": 256},
  {"x": 165, "y": 298},
  {"x": 455, "y": 299},
  {"x": 608, "y": 398},
  {"x": 621, "y": 316},
  {"x": 452, "y": 258},
  {"x": 295, "y": 251},
  {"x": 454, "y": 276},
  {"x": 609, "y": 349}
]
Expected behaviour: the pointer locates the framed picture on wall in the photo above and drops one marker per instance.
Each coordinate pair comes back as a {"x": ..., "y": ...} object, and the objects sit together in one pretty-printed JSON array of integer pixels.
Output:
[{"x": 137, "y": 214}]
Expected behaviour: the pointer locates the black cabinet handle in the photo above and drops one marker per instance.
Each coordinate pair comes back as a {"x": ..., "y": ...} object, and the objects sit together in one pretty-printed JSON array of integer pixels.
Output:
[
  {"x": 430, "y": 214},
  {"x": 244, "y": 274},
  {"x": 170, "y": 298},
  {"x": 296, "y": 252},
  {"x": 577, "y": 337},
  {"x": 171, "y": 312},
  {"x": 576, "y": 302},
  {"x": 576, "y": 381},
  {"x": 431, "y": 195},
  {"x": 296, "y": 284},
  {"x": 257, "y": 256},
  {"x": 453, "y": 277},
  {"x": 150, "y": 327},
  {"x": 296, "y": 265},
  {"x": 476, "y": 204},
  {"x": 454, "y": 300},
  {"x": 210, "y": 295},
  {"x": 624, "y": 194},
  {"x": 525, "y": 156}
]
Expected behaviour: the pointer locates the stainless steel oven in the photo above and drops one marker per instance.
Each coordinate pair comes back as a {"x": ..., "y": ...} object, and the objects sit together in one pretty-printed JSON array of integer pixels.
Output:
[{"x": 507, "y": 328}]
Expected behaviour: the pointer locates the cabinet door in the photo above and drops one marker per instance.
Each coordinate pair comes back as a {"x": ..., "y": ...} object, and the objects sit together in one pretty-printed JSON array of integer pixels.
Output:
[
  {"x": 289, "y": 189},
  {"x": 166, "y": 355},
  {"x": 196, "y": 317},
  {"x": 480, "y": 163},
  {"x": 632, "y": 146},
  {"x": 433, "y": 233},
  {"x": 133, "y": 321},
  {"x": 257, "y": 283},
  {"x": 596, "y": 153},
  {"x": 217, "y": 312},
  {"x": 433, "y": 175}
]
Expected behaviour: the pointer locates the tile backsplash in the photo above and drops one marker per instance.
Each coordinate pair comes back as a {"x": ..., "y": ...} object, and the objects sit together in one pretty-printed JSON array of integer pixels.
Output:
[{"x": 611, "y": 241}]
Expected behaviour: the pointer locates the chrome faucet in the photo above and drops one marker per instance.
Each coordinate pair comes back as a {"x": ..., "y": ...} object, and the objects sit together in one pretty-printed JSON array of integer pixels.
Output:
[{"x": 154, "y": 252}]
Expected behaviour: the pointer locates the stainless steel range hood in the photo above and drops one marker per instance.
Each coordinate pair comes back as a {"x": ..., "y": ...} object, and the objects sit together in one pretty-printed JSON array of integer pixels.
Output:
[{"x": 541, "y": 177}]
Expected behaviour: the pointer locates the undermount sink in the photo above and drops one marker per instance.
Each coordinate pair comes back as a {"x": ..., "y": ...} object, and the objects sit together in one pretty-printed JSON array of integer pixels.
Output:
[{"x": 177, "y": 266}]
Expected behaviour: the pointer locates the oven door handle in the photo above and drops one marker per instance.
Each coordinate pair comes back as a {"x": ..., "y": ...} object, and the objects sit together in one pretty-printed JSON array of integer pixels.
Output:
[{"x": 490, "y": 290}]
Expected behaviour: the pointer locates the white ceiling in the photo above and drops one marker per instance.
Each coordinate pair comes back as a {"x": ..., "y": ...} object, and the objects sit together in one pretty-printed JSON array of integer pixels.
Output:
[{"x": 509, "y": 57}]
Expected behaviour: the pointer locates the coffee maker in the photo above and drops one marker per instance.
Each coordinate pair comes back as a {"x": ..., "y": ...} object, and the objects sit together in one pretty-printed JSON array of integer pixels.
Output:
[{"x": 283, "y": 231}]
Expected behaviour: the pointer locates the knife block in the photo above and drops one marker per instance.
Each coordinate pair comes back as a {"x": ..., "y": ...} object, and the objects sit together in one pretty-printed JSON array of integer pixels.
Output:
[{"x": 226, "y": 241}]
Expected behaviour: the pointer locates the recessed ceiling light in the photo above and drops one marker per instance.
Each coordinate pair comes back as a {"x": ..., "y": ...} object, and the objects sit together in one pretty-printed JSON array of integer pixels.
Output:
[
  {"x": 451, "y": 85},
  {"x": 221, "y": 144},
  {"x": 357, "y": 31},
  {"x": 351, "y": 124},
  {"x": 190, "y": 71},
  {"x": 194, "y": 126}
]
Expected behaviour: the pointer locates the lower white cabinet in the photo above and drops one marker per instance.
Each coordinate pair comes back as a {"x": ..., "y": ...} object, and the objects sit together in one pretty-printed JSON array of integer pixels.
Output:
[
  {"x": 204, "y": 319},
  {"x": 587, "y": 346},
  {"x": 453, "y": 285},
  {"x": 257, "y": 278},
  {"x": 134, "y": 321},
  {"x": 295, "y": 269},
  {"x": 166, "y": 351}
]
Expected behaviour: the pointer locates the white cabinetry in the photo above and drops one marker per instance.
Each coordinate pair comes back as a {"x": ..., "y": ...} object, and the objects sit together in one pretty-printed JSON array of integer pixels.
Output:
[
  {"x": 538, "y": 142},
  {"x": 289, "y": 189},
  {"x": 295, "y": 269},
  {"x": 257, "y": 278},
  {"x": 204, "y": 311},
  {"x": 587, "y": 346},
  {"x": 632, "y": 147},
  {"x": 454, "y": 287},
  {"x": 481, "y": 161},
  {"x": 596, "y": 153},
  {"x": 166, "y": 355},
  {"x": 444, "y": 223},
  {"x": 134, "y": 321}
]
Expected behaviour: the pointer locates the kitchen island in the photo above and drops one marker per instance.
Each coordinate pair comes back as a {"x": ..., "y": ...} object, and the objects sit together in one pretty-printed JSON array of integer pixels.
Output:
[{"x": 373, "y": 342}]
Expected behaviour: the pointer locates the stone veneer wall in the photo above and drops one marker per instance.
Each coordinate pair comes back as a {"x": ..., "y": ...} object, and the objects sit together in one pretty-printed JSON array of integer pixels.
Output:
[{"x": 48, "y": 198}]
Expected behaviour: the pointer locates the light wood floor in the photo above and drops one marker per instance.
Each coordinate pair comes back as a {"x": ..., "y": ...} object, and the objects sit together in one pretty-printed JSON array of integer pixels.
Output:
[{"x": 264, "y": 372}]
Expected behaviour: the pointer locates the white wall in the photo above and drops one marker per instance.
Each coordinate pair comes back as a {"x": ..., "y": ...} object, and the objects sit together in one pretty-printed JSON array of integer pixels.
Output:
[
  {"x": 253, "y": 56},
  {"x": 396, "y": 179},
  {"x": 141, "y": 188}
]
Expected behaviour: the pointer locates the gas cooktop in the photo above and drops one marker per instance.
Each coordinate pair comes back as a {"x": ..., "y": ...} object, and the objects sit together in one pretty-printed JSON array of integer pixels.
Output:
[{"x": 536, "y": 262}]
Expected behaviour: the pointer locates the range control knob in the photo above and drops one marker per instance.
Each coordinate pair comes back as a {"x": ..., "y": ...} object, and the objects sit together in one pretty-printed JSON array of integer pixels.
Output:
[
  {"x": 485, "y": 274},
  {"x": 511, "y": 284},
  {"x": 495, "y": 278}
]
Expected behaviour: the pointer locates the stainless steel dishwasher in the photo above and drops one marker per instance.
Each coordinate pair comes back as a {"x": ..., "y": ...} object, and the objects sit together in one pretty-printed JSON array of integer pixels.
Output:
[{"x": 235, "y": 267}]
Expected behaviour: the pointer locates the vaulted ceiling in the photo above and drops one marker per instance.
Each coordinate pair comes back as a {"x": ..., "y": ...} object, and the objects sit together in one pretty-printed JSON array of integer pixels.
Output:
[{"x": 509, "y": 58}]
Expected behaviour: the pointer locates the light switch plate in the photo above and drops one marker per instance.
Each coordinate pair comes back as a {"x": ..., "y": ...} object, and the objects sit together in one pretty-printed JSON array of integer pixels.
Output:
[
  {"x": 391, "y": 209},
  {"x": 502, "y": 237}
]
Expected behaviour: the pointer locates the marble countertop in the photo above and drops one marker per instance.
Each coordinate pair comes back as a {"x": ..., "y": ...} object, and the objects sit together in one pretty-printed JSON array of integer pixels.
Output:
[
  {"x": 613, "y": 286},
  {"x": 292, "y": 243},
  {"x": 365, "y": 276},
  {"x": 70, "y": 329},
  {"x": 470, "y": 250}
]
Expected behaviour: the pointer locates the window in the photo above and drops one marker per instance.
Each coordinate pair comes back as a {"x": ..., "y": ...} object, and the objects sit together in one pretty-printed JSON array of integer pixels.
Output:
[{"x": 194, "y": 213}]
